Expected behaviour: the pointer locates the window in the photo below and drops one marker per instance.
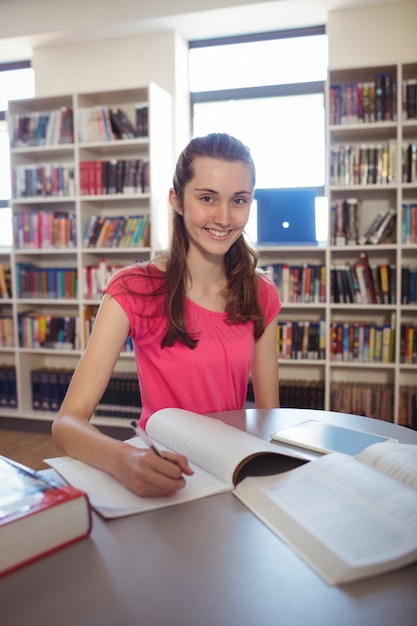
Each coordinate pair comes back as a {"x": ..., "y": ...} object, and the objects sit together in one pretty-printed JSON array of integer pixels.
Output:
[
  {"x": 16, "y": 81},
  {"x": 268, "y": 90}
]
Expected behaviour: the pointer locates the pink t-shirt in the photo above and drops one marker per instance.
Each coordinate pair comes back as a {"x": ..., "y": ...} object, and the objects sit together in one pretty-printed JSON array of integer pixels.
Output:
[{"x": 211, "y": 377}]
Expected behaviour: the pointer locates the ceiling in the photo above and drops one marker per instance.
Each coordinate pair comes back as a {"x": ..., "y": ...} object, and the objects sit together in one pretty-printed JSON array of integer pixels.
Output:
[{"x": 28, "y": 24}]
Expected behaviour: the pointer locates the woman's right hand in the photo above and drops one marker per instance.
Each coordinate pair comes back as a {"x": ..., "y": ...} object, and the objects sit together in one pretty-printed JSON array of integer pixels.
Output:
[{"x": 148, "y": 475}]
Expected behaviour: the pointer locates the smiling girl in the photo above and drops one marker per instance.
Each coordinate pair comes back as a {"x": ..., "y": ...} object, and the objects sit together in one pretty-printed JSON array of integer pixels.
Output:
[{"x": 201, "y": 319}]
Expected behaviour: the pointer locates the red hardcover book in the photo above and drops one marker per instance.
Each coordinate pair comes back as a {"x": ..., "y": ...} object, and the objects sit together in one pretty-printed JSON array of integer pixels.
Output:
[{"x": 37, "y": 515}]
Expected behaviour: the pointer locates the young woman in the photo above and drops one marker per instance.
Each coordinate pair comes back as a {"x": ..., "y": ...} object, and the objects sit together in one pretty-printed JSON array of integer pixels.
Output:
[{"x": 201, "y": 319}]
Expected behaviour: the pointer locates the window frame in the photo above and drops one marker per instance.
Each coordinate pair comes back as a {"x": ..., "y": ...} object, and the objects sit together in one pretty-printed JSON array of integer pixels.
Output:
[{"x": 245, "y": 93}]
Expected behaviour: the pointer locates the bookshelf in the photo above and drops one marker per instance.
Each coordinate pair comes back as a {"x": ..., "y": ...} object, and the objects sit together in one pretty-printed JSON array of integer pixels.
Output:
[
  {"x": 89, "y": 194},
  {"x": 371, "y": 168}
]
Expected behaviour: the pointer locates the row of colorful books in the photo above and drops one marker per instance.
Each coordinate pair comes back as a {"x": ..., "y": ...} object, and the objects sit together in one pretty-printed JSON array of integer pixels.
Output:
[
  {"x": 364, "y": 102},
  {"x": 97, "y": 123},
  {"x": 409, "y": 222},
  {"x": 298, "y": 283},
  {"x": 104, "y": 123},
  {"x": 362, "y": 342},
  {"x": 131, "y": 231},
  {"x": 369, "y": 399},
  {"x": 407, "y": 406},
  {"x": 363, "y": 282},
  {"x": 43, "y": 180},
  {"x": 363, "y": 164},
  {"x": 6, "y": 331},
  {"x": 42, "y": 128},
  {"x": 117, "y": 176},
  {"x": 47, "y": 331},
  {"x": 344, "y": 225},
  {"x": 8, "y": 391},
  {"x": 301, "y": 340},
  {"x": 44, "y": 230},
  {"x": 46, "y": 282}
]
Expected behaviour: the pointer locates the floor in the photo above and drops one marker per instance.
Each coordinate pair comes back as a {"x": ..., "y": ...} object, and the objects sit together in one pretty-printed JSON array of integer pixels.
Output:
[
  {"x": 31, "y": 443},
  {"x": 28, "y": 448}
]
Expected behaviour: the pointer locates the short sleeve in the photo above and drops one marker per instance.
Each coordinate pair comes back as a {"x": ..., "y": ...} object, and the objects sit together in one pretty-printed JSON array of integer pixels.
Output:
[{"x": 269, "y": 298}]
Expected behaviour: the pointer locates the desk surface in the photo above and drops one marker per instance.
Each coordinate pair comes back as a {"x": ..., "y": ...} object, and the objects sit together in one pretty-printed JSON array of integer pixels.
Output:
[{"x": 204, "y": 563}]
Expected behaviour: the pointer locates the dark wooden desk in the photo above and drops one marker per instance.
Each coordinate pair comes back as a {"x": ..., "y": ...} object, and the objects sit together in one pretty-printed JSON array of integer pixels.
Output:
[{"x": 204, "y": 563}]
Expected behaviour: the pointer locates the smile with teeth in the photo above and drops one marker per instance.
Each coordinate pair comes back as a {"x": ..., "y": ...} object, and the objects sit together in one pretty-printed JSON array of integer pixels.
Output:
[{"x": 218, "y": 233}]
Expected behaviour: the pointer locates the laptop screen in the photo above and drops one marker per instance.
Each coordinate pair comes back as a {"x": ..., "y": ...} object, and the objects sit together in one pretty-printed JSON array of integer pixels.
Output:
[{"x": 286, "y": 215}]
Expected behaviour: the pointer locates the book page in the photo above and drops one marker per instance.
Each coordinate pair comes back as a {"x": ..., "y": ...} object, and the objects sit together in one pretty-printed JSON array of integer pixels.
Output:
[
  {"x": 209, "y": 442},
  {"x": 398, "y": 460},
  {"x": 111, "y": 499},
  {"x": 344, "y": 518}
]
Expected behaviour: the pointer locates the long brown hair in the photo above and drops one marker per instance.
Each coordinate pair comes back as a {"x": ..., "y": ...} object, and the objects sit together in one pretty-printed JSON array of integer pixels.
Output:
[{"x": 240, "y": 261}]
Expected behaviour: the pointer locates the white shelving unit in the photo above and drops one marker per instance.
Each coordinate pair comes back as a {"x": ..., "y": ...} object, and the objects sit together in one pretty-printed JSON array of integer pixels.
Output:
[
  {"x": 372, "y": 198},
  {"x": 156, "y": 148}
]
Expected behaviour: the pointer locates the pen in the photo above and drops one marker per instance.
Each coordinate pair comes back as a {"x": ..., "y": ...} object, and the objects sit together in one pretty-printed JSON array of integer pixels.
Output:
[{"x": 145, "y": 437}]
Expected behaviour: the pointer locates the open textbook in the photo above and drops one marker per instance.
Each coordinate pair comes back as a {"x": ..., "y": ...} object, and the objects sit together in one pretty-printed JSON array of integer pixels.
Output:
[{"x": 348, "y": 517}]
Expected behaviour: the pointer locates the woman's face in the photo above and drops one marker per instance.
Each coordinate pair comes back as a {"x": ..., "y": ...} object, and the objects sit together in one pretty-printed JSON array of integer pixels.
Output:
[{"x": 216, "y": 204}]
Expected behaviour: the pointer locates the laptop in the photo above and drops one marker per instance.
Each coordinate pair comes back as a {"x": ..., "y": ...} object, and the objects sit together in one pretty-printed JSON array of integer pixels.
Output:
[{"x": 286, "y": 216}]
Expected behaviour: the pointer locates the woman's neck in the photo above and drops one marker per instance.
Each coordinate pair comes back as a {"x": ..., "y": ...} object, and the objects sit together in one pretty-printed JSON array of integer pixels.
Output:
[{"x": 208, "y": 284}]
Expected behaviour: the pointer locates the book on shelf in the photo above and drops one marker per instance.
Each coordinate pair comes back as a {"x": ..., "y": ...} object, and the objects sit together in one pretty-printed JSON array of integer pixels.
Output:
[
  {"x": 5, "y": 281},
  {"x": 8, "y": 389},
  {"x": 6, "y": 331},
  {"x": 409, "y": 223},
  {"x": 408, "y": 285},
  {"x": 381, "y": 229},
  {"x": 49, "y": 386},
  {"x": 408, "y": 343},
  {"x": 37, "y": 515},
  {"x": 142, "y": 115},
  {"x": 409, "y": 101},
  {"x": 121, "y": 125},
  {"x": 336, "y": 545},
  {"x": 409, "y": 163}
]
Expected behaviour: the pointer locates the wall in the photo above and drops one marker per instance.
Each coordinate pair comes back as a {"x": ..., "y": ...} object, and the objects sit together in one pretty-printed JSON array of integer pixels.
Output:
[
  {"x": 106, "y": 64},
  {"x": 377, "y": 35}
]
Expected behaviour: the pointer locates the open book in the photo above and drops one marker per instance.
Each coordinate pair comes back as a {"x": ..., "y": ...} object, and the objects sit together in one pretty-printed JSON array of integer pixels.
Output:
[
  {"x": 219, "y": 454},
  {"x": 348, "y": 517}
]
